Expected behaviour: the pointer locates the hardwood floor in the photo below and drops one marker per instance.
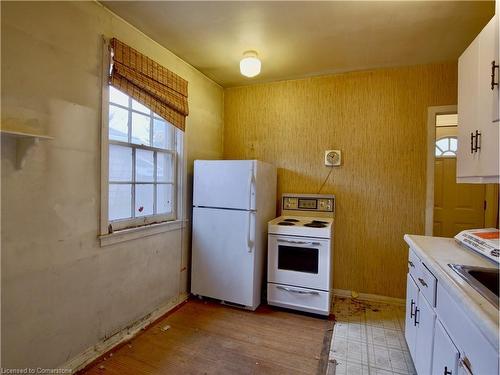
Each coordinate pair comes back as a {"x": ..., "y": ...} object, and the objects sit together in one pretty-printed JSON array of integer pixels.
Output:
[{"x": 205, "y": 337}]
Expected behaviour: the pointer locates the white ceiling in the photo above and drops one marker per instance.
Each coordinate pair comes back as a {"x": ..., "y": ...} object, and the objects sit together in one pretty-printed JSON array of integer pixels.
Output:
[{"x": 298, "y": 39}]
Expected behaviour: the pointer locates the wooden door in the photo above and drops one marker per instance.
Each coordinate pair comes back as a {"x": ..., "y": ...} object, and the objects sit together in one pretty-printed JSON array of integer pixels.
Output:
[{"x": 456, "y": 206}]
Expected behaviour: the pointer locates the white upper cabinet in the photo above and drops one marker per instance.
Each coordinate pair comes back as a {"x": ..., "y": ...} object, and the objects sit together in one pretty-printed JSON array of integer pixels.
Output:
[{"x": 478, "y": 108}]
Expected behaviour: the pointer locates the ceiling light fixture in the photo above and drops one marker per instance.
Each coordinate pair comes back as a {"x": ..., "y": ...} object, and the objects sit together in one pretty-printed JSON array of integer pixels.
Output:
[{"x": 250, "y": 64}]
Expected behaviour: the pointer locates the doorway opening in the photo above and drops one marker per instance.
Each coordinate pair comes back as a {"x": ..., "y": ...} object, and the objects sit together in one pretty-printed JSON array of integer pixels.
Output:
[{"x": 453, "y": 207}]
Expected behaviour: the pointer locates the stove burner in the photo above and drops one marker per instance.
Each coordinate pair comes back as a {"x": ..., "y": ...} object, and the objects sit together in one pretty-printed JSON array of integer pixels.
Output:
[
  {"x": 292, "y": 220},
  {"x": 312, "y": 224},
  {"x": 287, "y": 223},
  {"x": 319, "y": 222}
]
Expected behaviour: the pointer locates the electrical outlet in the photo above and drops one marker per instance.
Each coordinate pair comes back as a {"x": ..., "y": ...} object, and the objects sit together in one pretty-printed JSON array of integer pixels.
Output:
[{"x": 333, "y": 158}]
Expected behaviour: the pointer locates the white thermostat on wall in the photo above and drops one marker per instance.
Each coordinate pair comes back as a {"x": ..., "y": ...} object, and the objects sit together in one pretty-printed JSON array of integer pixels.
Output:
[{"x": 333, "y": 158}]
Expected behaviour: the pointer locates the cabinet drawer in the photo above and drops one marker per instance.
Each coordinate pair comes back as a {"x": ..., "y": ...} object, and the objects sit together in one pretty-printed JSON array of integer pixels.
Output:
[
  {"x": 309, "y": 300},
  {"x": 413, "y": 264},
  {"x": 427, "y": 284}
]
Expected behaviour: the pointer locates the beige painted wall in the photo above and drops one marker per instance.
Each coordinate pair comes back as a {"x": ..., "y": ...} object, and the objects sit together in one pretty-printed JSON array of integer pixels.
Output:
[
  {"x": 379, "y": 120},
  {"x": 62, "y": 292}
]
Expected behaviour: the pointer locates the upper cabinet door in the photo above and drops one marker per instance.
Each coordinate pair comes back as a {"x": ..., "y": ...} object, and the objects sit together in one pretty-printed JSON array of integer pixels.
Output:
[
  {"x": 468, "y": 88},
  {"x": 224, "y": 184},
  {"x": 478, "y": 109},
  {"x": 488, "y": 99}
]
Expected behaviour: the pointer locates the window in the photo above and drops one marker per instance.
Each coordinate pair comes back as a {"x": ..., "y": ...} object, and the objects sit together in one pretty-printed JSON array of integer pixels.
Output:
[
  {"x": 142, "y": 164},
  {"x": 446, "y": 147}
]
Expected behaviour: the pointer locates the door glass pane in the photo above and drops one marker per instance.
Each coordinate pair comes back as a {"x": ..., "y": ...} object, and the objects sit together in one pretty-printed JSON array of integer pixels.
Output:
[
  {"x": 120, "y": 201},
  {"x": 144, "y": 199},
  {"x": 118, "y": 123},
  {"x": 120, "y": 163},
  {"x": 161, "y": 134},
  {"x": 140, "y": 129},
  {"x": 163, "y": 198},
  {"x": 442, "y": 144},
  {"x": 139, "y": 107},
  {"x": 453, "y": 144},
  {"x": 144, "y": 166},
  {"x": 164, "y": 167},
  {"x": 118, "y": 97},
  {"x": 299, "y": 259}
]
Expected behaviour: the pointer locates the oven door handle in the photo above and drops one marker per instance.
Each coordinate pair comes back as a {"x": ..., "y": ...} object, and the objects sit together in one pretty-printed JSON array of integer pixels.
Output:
[
  {"x": 297, "y": 291},
  {"x": 299, "y": 242}
]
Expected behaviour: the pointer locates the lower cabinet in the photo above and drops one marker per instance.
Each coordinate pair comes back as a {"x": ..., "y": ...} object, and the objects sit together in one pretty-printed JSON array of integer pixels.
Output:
[
  {"x": 442, "y": 340},
  {"x": 445, "y": 354},
  {"x": 411, "y": 304},
  {"x": 419, "y": 327},
  {"x": 425, "y": 318}
]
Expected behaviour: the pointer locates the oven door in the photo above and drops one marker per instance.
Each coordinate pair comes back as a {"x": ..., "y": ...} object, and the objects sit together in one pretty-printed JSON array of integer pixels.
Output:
[{"x": 299, "y": 261}]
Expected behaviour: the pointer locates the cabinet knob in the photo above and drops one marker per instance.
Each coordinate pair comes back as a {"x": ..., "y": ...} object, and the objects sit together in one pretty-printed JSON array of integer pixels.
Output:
[
  {"x": 411, "y": 264},
  {"x": 446, "y": 372}
]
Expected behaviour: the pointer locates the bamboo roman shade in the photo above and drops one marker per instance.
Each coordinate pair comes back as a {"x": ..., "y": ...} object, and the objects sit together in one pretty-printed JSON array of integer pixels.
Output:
[{"x": 154, "y": 86}]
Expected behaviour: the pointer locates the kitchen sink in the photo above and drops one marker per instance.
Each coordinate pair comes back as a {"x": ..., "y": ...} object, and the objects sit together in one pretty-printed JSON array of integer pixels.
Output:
[{"x": 483, "y": 280}]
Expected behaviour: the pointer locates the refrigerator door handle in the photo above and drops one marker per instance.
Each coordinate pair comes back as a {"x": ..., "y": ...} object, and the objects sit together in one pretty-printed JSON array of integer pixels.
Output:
[
  {"x": 251, "y": 184},
  {"x": 250, "y": 241}
]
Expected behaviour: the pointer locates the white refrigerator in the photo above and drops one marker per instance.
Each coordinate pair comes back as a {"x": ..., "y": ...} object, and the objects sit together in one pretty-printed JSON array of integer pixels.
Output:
[{"x": 232, "y": 202}]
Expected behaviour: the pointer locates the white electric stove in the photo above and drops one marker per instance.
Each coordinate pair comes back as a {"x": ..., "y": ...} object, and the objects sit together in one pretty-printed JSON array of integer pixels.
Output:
[{"x": 300, "y": 253}]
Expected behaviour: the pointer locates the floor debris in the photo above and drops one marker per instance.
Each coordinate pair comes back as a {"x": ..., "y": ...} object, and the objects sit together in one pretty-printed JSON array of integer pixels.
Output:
[{"x": 166, "y": 328}]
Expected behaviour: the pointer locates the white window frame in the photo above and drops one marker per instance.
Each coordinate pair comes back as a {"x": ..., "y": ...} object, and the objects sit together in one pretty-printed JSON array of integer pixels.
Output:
[{"x": 132, "y": 228}]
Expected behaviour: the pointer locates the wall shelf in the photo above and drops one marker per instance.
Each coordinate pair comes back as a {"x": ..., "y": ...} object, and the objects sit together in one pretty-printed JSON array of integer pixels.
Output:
[{"x": 24, "y": 143}]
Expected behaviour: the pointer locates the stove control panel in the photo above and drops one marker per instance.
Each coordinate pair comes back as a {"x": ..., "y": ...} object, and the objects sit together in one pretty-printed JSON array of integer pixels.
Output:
[{"x": 319, "y": 203}]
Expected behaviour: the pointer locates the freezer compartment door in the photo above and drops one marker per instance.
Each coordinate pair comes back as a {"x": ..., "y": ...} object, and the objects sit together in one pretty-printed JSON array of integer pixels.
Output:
[
  {"x": 223, "y": 255},
  {"x": 224, "y": 184}
]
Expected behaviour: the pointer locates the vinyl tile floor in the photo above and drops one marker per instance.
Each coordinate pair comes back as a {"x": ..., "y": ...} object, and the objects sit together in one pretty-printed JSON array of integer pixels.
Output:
[{"x": 368, "y": 339}]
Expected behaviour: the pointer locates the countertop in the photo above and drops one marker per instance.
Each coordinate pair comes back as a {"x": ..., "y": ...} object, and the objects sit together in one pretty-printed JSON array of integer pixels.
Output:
[{"x": 437, "y": 253}]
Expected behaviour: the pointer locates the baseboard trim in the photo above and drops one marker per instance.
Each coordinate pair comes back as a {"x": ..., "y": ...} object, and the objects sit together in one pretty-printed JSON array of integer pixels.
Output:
[
  {"x": 369, "y": 297},
  {"x": 82, "y": 360}
]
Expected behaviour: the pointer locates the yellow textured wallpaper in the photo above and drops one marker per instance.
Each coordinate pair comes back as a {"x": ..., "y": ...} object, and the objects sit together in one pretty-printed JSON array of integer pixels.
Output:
[{"x": 378, "y": 119}]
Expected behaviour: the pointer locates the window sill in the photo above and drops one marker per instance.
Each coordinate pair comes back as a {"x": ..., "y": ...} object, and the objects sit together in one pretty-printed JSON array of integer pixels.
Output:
[{"x": 140, "y": 232}]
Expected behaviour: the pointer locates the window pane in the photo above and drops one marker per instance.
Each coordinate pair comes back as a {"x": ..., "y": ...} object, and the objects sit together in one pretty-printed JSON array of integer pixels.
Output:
[
  {"x": 442, "y": 144},
  {"x": 120, "y": 163},
  {"x": 140, "y": 129},
  {"x": 448, "y": 153},
  {"x": 164, "y": 167},
  {"x": 139, "y": 107},
  {"x": 163, "y": 198},
  {"x": 438, "y": 152},
  {"x": 120, "y": 201},
  {"x": 144, "y": 166},
  {"x": 453, "y": 144},
  {"x": 118, "y": 97},
  {"x": 118, "y": 123},
  {"x": 162, "y": 134},
  {"x": 144, "y": 199}
]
